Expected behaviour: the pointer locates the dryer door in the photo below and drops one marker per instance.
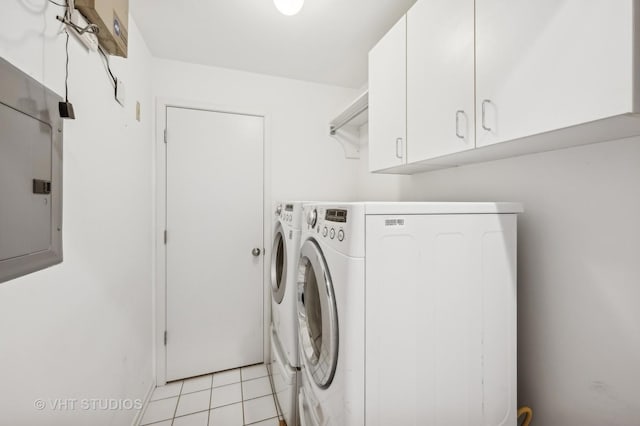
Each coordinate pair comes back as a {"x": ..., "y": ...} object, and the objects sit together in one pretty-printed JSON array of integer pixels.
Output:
[
  {"x": 279, "y": 264},
  {"x": 317, "y": 315}
]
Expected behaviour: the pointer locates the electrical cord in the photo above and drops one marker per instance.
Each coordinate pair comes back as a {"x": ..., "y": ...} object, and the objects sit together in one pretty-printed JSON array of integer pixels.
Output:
[
  {"x": 90, "y": 28},
  {"x": 106, "y": 62},
  {"x": 66, "y": 74},
  {"x": 527, "y": 412},
  {"x": 66, "y": 19}
]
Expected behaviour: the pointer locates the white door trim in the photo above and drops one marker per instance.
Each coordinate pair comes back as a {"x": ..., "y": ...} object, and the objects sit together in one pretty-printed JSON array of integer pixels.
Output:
[{"x": 159, "y": 219}]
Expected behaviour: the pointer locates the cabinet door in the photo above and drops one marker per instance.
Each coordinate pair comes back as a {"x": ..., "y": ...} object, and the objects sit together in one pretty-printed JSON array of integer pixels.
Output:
[
  {"x": 544, "y": 65},
  {"x": 440, "y": 78},
  {"x": 441, "y": 303},
  {"x": 388, "y": 99}
]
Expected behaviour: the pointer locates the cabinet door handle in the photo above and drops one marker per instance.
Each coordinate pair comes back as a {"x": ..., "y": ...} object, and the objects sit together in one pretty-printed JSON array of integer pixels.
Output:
[
  {"x": 399, "y": 148},
  {"x": 458, "y": 113},
  {"x": 484, "y": 115}
]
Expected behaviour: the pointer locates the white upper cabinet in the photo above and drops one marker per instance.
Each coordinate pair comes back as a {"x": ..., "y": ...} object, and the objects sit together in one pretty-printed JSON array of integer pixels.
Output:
[
  {"x": 543, "y": 65},
  {"x": 440, "y": 78},
  {"x": 491, "y": 79},
  {"x": 388, "y": 99}
]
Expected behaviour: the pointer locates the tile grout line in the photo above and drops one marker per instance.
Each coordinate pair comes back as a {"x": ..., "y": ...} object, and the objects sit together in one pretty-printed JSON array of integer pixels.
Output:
[
  {"x": 263, "y": 396},
  {"x": 211, "y": 388},
  {"x": 258, "y": 397},
  {"x": 257, "y": 378},
  {"x": 242, "y": 395},
  {"x": 279, "y": 413},
  {"x": 187, "y": 415},
  {"x": 166, "y": 397},
  {"x": 210, "y": 401},
  {"x": 175, "y": 410},
  {"x": 263, "y": 420}
]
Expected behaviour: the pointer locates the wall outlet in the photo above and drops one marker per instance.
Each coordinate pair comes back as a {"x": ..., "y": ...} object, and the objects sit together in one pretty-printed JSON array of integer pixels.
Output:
[{"x": 120, "y": 91}]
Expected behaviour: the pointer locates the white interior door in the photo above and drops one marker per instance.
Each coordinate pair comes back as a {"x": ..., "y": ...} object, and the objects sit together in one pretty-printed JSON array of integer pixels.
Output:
[{"x": 214, "y": 221}]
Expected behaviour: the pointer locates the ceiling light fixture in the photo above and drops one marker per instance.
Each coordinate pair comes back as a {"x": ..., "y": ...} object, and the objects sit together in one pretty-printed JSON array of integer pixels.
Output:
[{"x": 289, "y": 7}]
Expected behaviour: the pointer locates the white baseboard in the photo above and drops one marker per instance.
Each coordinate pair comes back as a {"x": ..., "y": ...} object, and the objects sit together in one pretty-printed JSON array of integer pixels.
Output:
[{"x": 138, "y": 418}]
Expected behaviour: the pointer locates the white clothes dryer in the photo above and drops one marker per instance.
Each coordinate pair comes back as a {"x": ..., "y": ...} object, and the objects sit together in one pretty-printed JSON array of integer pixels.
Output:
[
  {"x": 284, "y": 335},
  {"x": 432, "y": 340}
]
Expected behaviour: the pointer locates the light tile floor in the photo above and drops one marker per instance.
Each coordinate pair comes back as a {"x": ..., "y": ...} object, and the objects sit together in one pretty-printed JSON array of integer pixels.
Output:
[{"x": 231, "y": 398}]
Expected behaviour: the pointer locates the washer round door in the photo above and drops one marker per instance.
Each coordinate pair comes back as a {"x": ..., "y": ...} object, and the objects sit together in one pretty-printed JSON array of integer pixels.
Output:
[
  {"x": 317, "y": 315},
  {"x": 279, "y": 264}
]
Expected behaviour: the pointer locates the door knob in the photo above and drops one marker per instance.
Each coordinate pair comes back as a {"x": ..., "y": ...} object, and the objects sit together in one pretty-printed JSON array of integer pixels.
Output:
[{"x": 256, "y": 252}]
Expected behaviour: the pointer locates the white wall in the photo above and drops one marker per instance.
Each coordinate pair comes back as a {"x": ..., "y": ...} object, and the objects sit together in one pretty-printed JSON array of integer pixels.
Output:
[
  {"x": 579, "y": 274},
  {"x": 83, "y": 329},
  {"x": 306, "y": 163}
]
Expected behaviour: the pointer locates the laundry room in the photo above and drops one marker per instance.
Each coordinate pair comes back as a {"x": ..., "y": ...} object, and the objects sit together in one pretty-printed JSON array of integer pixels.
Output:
[{"x": 319, "y": 212}]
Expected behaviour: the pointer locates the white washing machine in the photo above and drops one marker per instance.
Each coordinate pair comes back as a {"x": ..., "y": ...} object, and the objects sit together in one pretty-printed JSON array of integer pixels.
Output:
[
  {"x": 284, "y": 329},
  {"x": 432, "y": 340},
  {"x": 331, "y": 273}
]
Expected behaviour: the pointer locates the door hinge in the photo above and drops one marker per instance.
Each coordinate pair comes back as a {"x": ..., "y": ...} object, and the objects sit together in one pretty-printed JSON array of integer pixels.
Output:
[
  {"x": 165, "y": 135},
  {"x": 165, "y": 236},
  {"x": 165, "y": 337}
]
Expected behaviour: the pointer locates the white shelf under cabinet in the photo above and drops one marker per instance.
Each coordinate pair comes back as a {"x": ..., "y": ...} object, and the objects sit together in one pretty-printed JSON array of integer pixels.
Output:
[
  {"x": 608, "y": 129},
  {"x": 345, "y": 127}
]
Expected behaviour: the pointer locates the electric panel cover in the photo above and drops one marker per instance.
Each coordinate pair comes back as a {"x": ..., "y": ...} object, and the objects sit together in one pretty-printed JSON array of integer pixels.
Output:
[
  {"x": 112, "y": 17},
  {"x": 30, "y": 175}
]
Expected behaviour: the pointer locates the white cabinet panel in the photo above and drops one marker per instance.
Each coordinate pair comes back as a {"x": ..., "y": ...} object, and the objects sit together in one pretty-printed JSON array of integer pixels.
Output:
[
  {"x": 548, "y": 75},
  {"x": 441, "y": 320},
  {"x": 388, "y": 99},
  {"x": 544, "y": 65},
  {"x": 440, "y": 78}
]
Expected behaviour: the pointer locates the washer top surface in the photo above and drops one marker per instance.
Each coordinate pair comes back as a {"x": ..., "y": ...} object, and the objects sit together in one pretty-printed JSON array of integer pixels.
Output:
[
  {"x": 341, "y": 226},
  {"x": 429, "y": 207},
  {"x": 443, "y": 208}
]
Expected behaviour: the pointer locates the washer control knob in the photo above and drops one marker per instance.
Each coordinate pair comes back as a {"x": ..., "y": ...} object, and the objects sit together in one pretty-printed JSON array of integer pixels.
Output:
[
  {"x": 332, "y": 234},
  {"x": 278, "y": 209},
  {"x": 340, "y": 235},
  {"x": 325, "y": 231},
  {"x": 312, "y": 217}
]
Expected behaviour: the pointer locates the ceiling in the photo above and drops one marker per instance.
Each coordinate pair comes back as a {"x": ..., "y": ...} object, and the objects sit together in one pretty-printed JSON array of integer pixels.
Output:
[{"x": 327, "y": 42}]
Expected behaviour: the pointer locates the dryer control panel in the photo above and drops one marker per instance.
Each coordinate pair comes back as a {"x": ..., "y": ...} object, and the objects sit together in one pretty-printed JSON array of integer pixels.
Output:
[
  {"x": 338, "y": 226},
  {"x": 329, "y": 224},
  {"x": 284, "y": 212},
  {"x": 334, "y": 227},
  {"x": 289, "y": 213}
]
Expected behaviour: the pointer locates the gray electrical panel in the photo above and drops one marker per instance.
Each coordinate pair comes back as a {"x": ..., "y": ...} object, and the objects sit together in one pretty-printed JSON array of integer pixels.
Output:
[{"x": 30, "y": 175}]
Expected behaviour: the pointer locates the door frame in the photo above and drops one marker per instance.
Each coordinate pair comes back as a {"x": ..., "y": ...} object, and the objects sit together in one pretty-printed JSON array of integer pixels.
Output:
[{"x": 159, "y": 278}]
